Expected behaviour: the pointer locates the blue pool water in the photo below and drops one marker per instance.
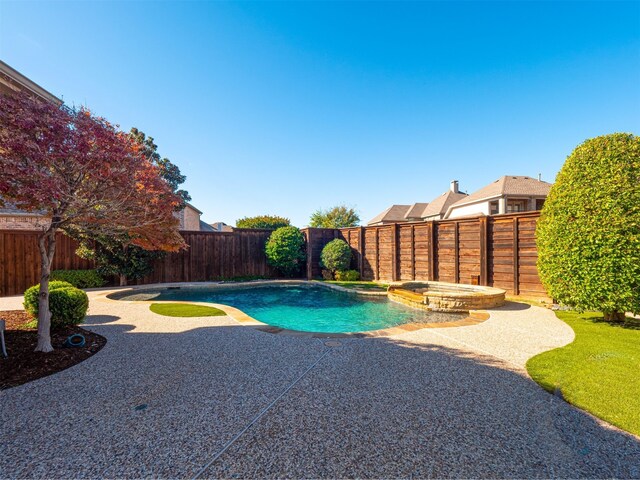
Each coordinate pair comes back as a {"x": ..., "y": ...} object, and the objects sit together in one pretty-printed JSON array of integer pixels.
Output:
[{"x": 306, "y": 308}]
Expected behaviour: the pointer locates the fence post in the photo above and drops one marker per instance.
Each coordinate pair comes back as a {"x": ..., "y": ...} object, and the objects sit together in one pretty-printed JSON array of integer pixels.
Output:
[
  {"x": 484, "y": 256},
  {"x": 377, "y": 272},
  {"x": 394, "y": 252},
  {"x": 456, "y": 254},
  {"x": 413, "y": 252},
  {"x": 361, "y": 248},
  {"x": 309, "y": 255},
  {"x": 516, "y": 267},
  {"x": 432, "y": 252}
]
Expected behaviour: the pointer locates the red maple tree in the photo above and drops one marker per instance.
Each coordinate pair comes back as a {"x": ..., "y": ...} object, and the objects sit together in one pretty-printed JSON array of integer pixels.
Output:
[{"x": 86, "y": 176}]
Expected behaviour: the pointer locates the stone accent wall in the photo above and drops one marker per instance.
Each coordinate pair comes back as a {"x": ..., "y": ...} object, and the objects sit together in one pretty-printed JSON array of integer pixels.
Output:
[
  {"x": 22, "y": 222},
  {"x": 445, "y": 297}
]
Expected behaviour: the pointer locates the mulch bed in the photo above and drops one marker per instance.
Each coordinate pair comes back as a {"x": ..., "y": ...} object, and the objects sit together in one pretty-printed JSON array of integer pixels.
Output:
[{"x": 24, "y": 365}]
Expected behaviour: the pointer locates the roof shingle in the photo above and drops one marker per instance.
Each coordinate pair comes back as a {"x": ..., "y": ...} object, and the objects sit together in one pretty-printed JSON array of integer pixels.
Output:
[
  {"x": 395, "y": 213},
  {"x": 439, "y": 205},
  {"x": 415, "y": 210},
  {"x": 510, "y": 185}
]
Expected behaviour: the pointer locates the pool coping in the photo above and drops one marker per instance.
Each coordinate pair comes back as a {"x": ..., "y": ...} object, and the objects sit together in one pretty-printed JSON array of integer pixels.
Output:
[{"x": 475, "y": 317}]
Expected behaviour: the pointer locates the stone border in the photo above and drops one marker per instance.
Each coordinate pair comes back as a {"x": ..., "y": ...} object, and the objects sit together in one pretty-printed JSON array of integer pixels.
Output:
[
  {"x": 447, "y": 297},
  {"x": 475, "y": 316}
]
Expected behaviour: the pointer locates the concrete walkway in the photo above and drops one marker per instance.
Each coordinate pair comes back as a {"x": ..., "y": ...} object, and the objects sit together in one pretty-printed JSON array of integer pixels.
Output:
[{"x": 224, "y": 400}]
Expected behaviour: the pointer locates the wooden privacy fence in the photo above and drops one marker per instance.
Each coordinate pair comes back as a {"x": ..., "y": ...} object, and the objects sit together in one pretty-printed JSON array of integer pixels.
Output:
[
  {"x": 497, "y": 251},
  {"x": 210, "y": 256},
  {"x": 20, "y": 259},
  {"x": 215, "y": 256}
]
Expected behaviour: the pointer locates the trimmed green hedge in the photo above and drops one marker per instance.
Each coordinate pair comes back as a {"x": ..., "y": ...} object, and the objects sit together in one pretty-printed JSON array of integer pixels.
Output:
[
  {"x": 285, "y": 250},
  {"x": 68, "y": 305},
  {"x": 80, "y": 278},
  {"x": 588, "y": 234},
  {"x": 336, "y": 256}
]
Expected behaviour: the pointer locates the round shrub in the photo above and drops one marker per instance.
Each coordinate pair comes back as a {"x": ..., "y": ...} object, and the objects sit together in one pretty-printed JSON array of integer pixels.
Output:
[
  {"x": 336, "y": 255},
  {"x": 32, "y": 293},
  {"x": 68, "y": 305},
  {"x": 348, "y": 276},
  {"x": 285, "y": 250},
  {"x": 588, "y": 234}
]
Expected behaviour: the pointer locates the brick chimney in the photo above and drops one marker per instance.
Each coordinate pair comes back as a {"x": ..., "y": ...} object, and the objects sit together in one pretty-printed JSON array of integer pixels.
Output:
[{"x": 454, "y": 186}]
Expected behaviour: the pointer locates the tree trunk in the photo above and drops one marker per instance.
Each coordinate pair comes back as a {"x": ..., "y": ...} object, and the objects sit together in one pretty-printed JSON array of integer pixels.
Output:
[
  {"x": 123, "y": 280},
  {"x": 47, "y": 246},
  {"x": 617, "y": 317}
]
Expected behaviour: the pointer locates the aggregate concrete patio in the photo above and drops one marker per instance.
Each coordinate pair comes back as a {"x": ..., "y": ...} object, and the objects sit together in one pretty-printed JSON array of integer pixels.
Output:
[{"x": 224, "y": 400}]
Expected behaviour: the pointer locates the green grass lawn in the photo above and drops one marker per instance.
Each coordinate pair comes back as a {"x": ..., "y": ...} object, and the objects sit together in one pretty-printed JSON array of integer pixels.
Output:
[
  {"x": 598, "y": 372},
  {"x": 185, "y": 310},
  {"x": 359, "y": 285}
]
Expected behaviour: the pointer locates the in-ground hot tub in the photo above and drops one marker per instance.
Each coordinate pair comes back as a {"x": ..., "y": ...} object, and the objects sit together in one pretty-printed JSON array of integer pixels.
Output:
[{"x": 446, "y": 297}]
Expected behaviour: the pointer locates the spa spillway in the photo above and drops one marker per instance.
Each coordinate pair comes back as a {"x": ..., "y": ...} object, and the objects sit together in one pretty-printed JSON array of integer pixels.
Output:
[{"x": 446, "y": 297}]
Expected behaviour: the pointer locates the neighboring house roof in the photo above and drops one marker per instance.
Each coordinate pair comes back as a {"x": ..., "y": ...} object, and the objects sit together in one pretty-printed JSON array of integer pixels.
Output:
[
  {"x": 395, "y": 213},
  {"x": 13, "y": 80},
  {"x": 10, "y": 209},
  {"x": 439, "y": 205},
  {"x": 205, "y": 227},
  {"x": 221, "y": 227},
  {"x": 415, "y": 210},
  {"x": 509, "y": 185}
]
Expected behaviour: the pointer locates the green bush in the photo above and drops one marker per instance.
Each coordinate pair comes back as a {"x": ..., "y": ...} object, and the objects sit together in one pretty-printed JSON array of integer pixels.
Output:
[
  {"x": 588, "y": 234},
  {"x": 68, "y": 305},
  {"x": 31, "y": 295},
  {"x": 79, "y": 278},
  {"x": 348, "y": 276},
  {"x": 327, "y": 274},
  {"x": 285, "y": 250},
  {"x": 336, "y": 256},
  {"x": 263, "y": 221},
  {"x": 339, "y": 216}
]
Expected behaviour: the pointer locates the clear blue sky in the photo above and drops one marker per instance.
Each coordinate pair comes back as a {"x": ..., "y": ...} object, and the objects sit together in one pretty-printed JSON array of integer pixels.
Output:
[{"x": 282, "y": 108}]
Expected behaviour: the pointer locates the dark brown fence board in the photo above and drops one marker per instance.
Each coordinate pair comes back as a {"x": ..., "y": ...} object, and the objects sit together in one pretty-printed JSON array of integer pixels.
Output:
[
  {"x": 492, "y": 250},
  {"x": 486, "y": 250},
  {"x": 210, "y": 256},
  {"x": 20, "y": 259},
  {"x": 317, "y": 238}
]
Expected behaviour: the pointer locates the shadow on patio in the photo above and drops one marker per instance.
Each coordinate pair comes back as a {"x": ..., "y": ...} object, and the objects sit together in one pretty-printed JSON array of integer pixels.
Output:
[{"x": 230, "y": 401}]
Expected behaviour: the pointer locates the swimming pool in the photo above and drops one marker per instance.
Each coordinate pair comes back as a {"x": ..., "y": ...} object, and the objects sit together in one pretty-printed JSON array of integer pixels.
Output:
[{"x": 304, "y": 308}]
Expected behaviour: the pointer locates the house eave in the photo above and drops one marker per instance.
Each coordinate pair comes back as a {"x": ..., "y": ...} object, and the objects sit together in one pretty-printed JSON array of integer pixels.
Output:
[{"x": 14, "y": 80}]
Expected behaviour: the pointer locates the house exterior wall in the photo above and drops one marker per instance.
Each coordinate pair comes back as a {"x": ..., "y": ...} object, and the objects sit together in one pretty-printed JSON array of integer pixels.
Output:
[
  {"x": 484, "y": 207},
  {"x": 189, "y": 219},
  {"x": 480, "y": 208}
]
